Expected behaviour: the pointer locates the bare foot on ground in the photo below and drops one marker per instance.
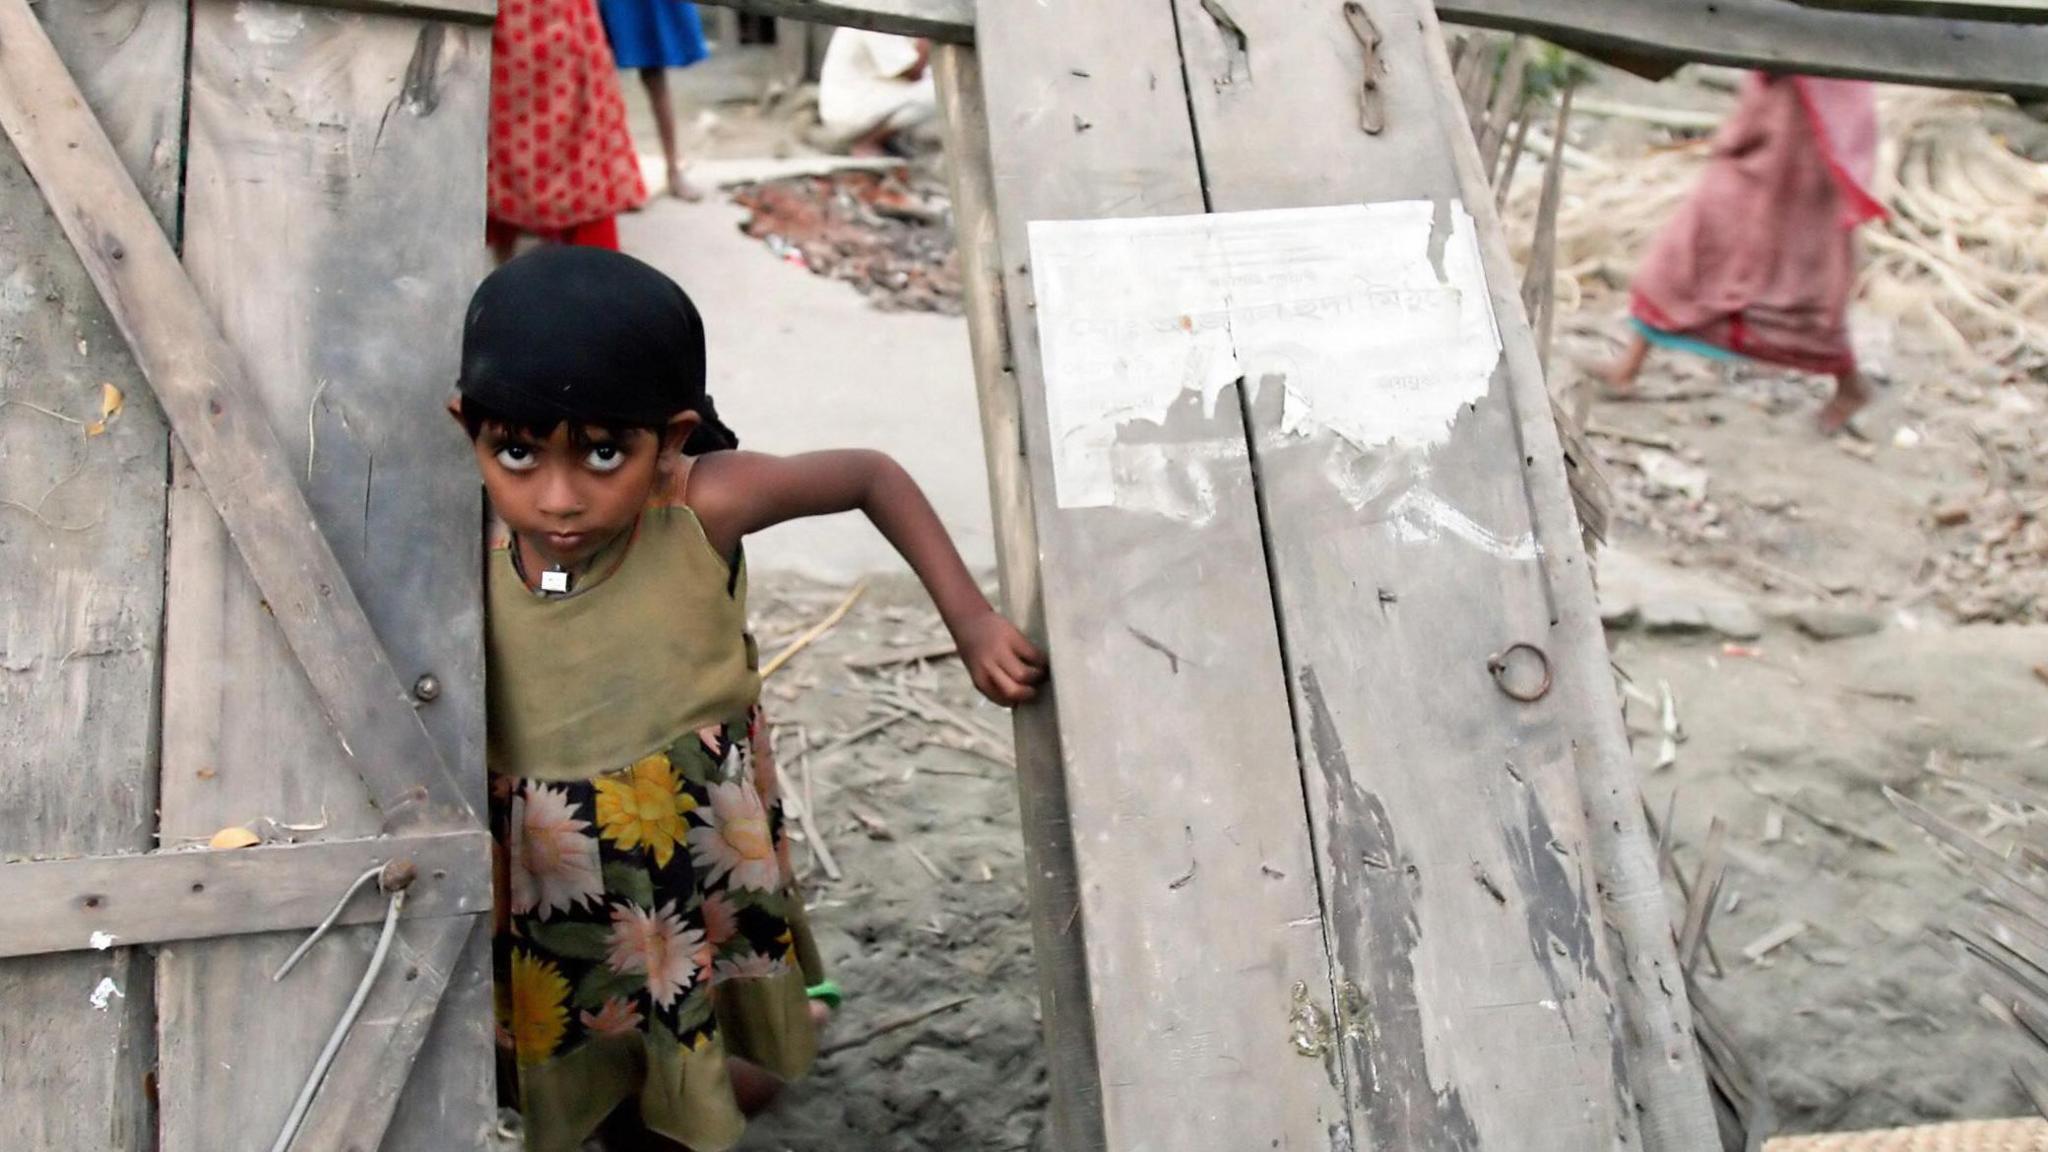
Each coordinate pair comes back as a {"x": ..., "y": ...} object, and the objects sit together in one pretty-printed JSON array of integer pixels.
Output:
[
  {"x": 1619, "y": 377},
  {"x": 681, "y": 187},
  {"x": 1850, "y": 398}
]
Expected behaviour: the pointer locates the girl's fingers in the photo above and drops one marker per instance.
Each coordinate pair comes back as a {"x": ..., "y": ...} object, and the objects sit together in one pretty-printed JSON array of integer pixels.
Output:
[
  {"x": 1022, "y": 670},
  {"x": 1030, "y": 652},
  {"x": 1002, "y": 688},
  {"x": 1011, "y": 666}
]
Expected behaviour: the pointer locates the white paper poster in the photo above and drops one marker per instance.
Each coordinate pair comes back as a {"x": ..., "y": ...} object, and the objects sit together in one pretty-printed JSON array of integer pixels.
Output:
[{"x": 1374, "y": 319}]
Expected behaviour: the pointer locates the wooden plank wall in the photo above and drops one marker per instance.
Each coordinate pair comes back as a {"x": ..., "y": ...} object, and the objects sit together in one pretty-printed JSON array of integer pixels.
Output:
[
  {"x": 81, "y": 547},
  {"x": 334, "y": 168},
  {"x": 1456, "y": 859},
  {"x": 1458, "y": 870},
  {"x": 1197, "y": 887}
]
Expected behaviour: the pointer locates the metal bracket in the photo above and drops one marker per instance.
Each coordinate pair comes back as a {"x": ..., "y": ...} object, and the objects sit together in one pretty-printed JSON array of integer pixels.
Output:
[{"x": 1372, "y": 106}]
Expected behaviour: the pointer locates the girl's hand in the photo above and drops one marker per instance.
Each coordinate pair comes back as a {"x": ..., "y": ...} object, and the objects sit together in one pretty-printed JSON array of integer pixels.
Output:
[{"x": 1005, "y": 666}]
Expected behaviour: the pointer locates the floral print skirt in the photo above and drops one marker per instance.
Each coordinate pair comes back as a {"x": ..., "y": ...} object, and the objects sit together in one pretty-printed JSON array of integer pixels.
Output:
[{"x": 648, "y": 926}]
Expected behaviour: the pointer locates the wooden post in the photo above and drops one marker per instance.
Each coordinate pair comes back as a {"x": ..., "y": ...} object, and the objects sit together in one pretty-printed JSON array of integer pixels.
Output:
[{"x": 1058, "y": 927}]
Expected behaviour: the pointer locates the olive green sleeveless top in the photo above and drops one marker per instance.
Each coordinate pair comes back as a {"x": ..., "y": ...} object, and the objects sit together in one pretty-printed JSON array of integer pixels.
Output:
[{"x": 589, "y": 682}]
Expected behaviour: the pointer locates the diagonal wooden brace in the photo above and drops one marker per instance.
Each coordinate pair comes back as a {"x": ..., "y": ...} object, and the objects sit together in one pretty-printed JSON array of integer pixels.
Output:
[{"x": 198, "y": 382}]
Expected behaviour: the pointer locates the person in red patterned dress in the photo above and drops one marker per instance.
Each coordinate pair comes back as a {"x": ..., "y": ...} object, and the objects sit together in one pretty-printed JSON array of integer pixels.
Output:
[{"x": 562, "y": 164}]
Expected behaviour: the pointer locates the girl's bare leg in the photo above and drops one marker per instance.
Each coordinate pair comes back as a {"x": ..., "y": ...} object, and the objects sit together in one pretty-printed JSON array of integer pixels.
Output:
[
  {"x": 1850, "y": 398},
  {"x": 656, "y": 82},
  {"x": 1621, "y": 375},
  {"x": 756, "y": 1088}
]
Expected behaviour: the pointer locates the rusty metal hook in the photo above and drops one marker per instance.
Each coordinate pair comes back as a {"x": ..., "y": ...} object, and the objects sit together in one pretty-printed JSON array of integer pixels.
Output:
[
  {"x": 1372, "y": 110},
  {"x": 1497, "y": 665}
]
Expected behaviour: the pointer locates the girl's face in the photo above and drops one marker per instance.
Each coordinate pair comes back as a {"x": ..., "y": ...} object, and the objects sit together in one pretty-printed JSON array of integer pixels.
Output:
[{"x": 569, "y": 495}]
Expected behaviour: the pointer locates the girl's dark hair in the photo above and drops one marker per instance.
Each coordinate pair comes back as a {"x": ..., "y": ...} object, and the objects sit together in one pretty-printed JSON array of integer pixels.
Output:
[{"x": 589, "y": 338}]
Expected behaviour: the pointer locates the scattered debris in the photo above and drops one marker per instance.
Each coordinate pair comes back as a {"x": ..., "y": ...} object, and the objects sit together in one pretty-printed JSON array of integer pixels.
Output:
[
  {"x": 896, "y": 1025},
  {"x": 811, "y": 635},
  {"x": 927, "y": 864},
  {"x": 234, "y": 837},
  {"x": 105, "y": 993},
  {"x": 1827, "y": 623},
  {"x": 1773, "y": 940},
  {"x": 800, "y": 807},
  {"x": 876, "y": 827},
  {"x": 1667, "y": 718},
  {"x": 111, "y": 403},
  {"x": 914, "y": 654},
  {"x": 888, "y": 234}
]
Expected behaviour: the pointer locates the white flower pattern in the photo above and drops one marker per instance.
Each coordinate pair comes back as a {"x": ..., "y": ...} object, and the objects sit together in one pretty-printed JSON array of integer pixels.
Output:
[
  {"x": 554, "y": 859},
  {"x": 735, "y": 839}
]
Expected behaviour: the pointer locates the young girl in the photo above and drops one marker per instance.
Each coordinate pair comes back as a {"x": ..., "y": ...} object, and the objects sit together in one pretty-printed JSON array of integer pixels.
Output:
[{"x": 653, "y": 957}]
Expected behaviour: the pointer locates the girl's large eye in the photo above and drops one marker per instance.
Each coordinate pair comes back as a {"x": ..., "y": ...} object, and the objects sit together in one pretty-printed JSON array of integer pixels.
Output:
[
  {"x": 517, "y": 458},
  {"x": 605, "y": 458}
]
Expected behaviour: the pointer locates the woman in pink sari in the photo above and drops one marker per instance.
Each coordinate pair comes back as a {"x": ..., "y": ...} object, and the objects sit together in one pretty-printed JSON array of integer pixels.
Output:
[{"x": 1760, "y": 262}]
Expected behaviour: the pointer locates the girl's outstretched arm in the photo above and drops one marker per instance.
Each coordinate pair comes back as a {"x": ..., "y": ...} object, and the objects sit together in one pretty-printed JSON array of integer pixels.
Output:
[{"x": 736, "y": 494}]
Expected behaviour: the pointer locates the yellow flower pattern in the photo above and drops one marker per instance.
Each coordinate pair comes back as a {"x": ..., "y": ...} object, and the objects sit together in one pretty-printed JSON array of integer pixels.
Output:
[
  {"x": 643, "y": 807},
  {"x": 539, "y": 1007},
  {"x": 632, "y": 897}
]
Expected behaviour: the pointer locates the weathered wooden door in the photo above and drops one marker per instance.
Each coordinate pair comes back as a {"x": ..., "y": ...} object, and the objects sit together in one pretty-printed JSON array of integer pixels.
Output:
[{"x": 239, "y": 572}]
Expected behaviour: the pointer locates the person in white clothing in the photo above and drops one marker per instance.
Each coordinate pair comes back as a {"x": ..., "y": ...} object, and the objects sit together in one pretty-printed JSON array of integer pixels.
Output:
[{"x": 873, "y": 86}]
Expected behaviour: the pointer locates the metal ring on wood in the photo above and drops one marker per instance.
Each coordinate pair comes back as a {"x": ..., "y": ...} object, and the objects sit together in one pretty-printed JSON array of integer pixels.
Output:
[{"x": 1498, "y": 666}]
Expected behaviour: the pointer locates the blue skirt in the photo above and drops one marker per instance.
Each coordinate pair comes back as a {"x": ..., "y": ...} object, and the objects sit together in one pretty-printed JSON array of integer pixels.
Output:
[{"x": 654, "y": 33}]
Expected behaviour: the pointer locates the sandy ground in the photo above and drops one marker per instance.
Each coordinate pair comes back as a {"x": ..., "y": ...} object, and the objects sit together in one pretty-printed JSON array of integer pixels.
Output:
[
  {"x": 1861, "y": 1020},
  {"x": 901, "y": 936}
]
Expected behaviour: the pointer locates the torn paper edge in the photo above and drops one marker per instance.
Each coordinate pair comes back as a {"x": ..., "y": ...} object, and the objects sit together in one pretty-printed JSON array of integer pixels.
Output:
[{"x": 1189, "y": 336}]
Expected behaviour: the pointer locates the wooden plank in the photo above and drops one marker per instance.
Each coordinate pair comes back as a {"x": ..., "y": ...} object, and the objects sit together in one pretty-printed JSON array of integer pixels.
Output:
[
  {"x": 1664, "y": 1074},
  {"x": 369, "y": 1075},
  {"x": 95, "y": 902},
  {"x": 1197, "y": 886},
  {"x": 1783, "y": 36},
  {"x": 1776, "y": 35},
  {"x": 2013, "y": 11},
  {"x": 947, "y": 21},
  {"x": 81, "y": 546},
  {"x": 341, "y": 289},
  {"x": 463, "y": 11},
  {"x": 212, "y": 407},
  {"x": 1451, "y": 838},
  {"x": 1056, "y": 923}
]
